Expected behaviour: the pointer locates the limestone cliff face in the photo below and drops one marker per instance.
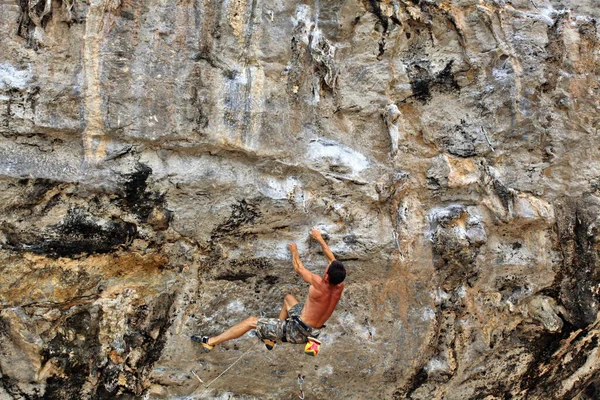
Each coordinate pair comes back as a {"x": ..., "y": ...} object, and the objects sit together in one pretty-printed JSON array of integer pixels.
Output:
[{"x": 157, "y": 156}]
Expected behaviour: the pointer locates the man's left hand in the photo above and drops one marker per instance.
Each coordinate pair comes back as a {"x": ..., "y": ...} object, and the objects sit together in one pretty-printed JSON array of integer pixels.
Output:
[{"x": 293, "y": 247}]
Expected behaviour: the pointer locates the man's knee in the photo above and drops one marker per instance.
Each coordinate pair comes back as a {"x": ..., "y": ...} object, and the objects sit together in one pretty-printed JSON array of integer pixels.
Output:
[
  {"x": 251, "y": 322},
  {"x": 290, "y": 299}
]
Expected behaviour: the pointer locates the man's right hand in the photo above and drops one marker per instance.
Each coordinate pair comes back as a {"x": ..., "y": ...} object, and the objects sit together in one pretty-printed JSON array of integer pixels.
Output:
[
  {"x": 293, "y": 248},
  {"x": 315, "y": 233}
]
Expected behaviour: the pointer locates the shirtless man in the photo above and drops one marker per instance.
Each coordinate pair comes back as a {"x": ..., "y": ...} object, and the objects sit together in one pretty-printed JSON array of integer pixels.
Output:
[{"x": 297, "y": 322}]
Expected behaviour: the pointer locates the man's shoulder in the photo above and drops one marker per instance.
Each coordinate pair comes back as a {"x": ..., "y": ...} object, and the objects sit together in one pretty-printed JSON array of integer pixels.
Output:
[
  {"x": 318, "y": 285},
  {"x": 317, "y": 280}
]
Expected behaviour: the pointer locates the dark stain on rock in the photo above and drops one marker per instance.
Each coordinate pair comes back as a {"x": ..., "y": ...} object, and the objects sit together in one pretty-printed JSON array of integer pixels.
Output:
[
  {"x": 350, "y": 239},
  {"x": 422, "y": 83},
  {"x": 555, "y": 53},
  {"x": 128, "y": 15},
  {"x": 148, "y": 328},
  {"x": 446, "y": 79},
  {"x": 136, "y": 196},
  {"x": 257, "y": 263},
  {"x": 381, "y": 48},
  {"x": 31, "y": 193},
  {"x": 78, "y": 233},
  {"x": 396, "y": 21},
  {"x": 35, "y": 190},
  {"x": 41, "y": 11},
  {"x": 74, "y": 350},
  {"x": 463, "y": 140},
  {"x": 579, "y": 274},
  {"x": 541, "y": 347},
  {"x": 244, "y": 269},
  {"x": 420, "y": 89},
  {"x": 242, "y": 214},
  {"x": 558, "y": 367},
  {"x": 123, "y": 376},
  {"x": 82, "y": 233},
  {"x": 241, "y": 270},
  {"x": 142, "y": 201},
  {"x": 373, "y": 7},
  {"x": 586, "y": 270},
  {"x": 200, "y": 118},
  {"x": 25, "y": 99},
  {"x": 505, "y": 196},
  {"x": 592, "y": 391},
  {"x": 416, "y": 382},
  {"x": 136, "y": 184},
  {"x": 9, "y": 385},
  {"x": 235, "y": 276},
  {"x": 270, "y": 279},
  {"x": 454, "y": 254},
  {"x": 383, "y": 23}
]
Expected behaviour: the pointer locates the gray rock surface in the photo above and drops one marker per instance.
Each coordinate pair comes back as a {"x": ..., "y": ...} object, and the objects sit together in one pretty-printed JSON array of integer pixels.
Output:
[{"x": 156, "y": 157}]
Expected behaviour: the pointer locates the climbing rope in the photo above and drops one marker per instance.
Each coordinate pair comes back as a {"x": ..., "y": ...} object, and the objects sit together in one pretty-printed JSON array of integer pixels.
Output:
[
  {"x": 197, "y": 377},
  {"x": 300, "y": 376},
  {"x": 227, "y": 369}
]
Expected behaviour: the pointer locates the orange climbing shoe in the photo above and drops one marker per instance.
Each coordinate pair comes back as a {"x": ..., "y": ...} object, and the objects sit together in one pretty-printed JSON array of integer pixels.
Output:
[
  {"x": 312, "y": 347},
  {"x": 203, "y": 340},
  {"x": 269, "y": 344}
]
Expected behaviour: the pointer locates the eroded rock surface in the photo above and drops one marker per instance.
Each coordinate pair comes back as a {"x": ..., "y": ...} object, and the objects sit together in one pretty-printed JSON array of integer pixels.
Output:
[{"x": 157, "y": 157}]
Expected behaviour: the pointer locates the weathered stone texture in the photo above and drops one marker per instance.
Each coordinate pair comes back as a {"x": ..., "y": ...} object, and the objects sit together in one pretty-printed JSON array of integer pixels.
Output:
[{"x": 156, "y": 157}]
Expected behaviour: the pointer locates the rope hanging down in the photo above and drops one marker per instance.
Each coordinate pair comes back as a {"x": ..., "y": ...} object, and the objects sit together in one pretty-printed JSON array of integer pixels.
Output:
[{"x": 227, "y": 369}]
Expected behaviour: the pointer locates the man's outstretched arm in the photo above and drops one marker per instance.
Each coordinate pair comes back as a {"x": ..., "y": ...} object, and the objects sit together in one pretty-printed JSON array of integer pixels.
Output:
[
  {"x": 298, "y": 266},
  {"x": 315, "y": 233}
]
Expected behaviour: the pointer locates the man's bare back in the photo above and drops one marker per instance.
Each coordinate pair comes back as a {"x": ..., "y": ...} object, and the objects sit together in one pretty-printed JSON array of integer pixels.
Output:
[{"x": 320, "y": 303}]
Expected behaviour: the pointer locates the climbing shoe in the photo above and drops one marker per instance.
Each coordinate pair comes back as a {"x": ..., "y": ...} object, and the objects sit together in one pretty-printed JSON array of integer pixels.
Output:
[
  {"x": 269, "y": 344},
  {"x": 203, "y": 340}
]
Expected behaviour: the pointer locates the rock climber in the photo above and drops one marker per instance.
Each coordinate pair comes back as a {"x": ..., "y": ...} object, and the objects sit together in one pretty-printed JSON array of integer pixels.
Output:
[{"x": 297, "y": 322}]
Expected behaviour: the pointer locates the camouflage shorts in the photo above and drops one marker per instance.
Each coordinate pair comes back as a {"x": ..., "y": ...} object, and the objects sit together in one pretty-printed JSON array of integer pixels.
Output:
[{"x": 273, "y": 328}]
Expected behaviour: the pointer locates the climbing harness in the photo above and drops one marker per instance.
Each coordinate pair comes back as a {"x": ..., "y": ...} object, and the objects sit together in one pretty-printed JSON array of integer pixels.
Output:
[
  {"x": 300, "y": 382},
  {"x": 312, "y": 347}
]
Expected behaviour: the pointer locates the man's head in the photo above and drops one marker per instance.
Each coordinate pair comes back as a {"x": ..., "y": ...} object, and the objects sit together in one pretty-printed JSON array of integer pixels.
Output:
[{"x": 336, "y": 272}]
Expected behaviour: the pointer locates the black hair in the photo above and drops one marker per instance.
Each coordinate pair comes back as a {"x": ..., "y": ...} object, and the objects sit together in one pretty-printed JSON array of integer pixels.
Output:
[{"x": 336, "y": 272}]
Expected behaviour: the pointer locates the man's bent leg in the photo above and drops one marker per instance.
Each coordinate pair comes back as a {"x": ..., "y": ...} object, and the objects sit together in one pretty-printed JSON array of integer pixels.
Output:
[
  {"x": 288, "y": 302},
  {"x": 270, "y": 330},
  {"x": 234, "y": 332}
]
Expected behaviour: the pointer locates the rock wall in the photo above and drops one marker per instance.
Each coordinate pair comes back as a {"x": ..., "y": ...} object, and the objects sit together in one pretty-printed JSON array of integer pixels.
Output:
[{"x": 156, "y": 157}]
